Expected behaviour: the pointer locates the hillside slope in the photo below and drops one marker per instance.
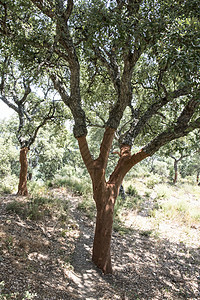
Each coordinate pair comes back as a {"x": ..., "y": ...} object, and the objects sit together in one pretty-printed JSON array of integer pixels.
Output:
[{"x": 47, "y": 255}]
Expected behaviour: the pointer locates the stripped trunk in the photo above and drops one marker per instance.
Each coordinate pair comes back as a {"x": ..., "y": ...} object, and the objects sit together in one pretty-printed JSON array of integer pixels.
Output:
[
  {"x": 22, "y": 187},
  {"x": 102, "y": 239},
  {"x": 105, "y": 193}
]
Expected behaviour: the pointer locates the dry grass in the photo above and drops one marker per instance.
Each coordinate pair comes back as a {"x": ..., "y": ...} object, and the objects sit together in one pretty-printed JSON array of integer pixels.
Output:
[{"x": 164, "y": 210}]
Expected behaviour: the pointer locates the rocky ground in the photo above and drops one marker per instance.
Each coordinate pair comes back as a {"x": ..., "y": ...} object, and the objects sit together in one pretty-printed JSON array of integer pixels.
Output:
[{"x": 50, "y": 258}]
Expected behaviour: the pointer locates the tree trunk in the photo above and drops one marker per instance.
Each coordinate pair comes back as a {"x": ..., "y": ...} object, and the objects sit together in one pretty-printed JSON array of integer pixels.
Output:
[
  {"x": 22, "y": 187},
  {"x": 175, "y": 171},
  {"x": 105, "y": 200},
  {"x": 105, "y": 193},
  {"x": 198, "y": 177}
]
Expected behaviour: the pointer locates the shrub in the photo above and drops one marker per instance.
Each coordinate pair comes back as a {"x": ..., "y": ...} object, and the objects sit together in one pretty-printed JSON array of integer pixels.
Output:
[
  {"x": 39, "y": 206},
  {"x": 131, "y": 191},
  {"x": 81, "y": 187},
  {"x": 16, "y": 207}
]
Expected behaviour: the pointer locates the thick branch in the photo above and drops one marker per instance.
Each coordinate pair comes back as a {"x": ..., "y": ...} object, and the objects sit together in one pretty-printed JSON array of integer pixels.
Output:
[
  {"x": 59, "y": 86},
  {"x": 49, "y": 116},
  {"x": 69, "y": 9},
  {"x": 112, "y": 67},
  {"x": 188, "y": 112},
  {"x": 27, "y": 91},
  {"x": 7, "y": 102},
  {"x": 74, "y": 103},
  {"x": 125, "y": 94},
  {"x": 86, "y": 155},
  {"x": 48, "y": 11},
  {"x": 134, "y": 130},
  {"x": 125, "y": 163},
  {"x": 180, "y": 129},
  {"x": 105, "y": 147},
  {"x": 180, "y": 158}
]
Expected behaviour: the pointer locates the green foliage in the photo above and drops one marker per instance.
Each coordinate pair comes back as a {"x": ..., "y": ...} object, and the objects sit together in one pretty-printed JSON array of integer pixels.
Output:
[
  {"x": 131, "y": 191},
  {"x": 50, "y": 161},
  {"x": 55, "y": 152},
  {"x": 78, "y": 186},
  {"x": 181, "y": 210},
  {"x": 146, "y": 233},
  {"x": 41, "y": 203},
  {"x": 15, "y": 207},
  {"x": 161, "y": 168},
  {"x": 162, "y": 191}
]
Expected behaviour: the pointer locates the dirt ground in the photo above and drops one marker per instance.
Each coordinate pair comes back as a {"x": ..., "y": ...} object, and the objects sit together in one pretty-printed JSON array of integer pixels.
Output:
[{"x": 51, "y": 259}]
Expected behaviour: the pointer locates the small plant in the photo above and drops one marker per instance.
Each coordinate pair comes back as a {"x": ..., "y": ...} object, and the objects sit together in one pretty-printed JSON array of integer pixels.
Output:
[
  {"x": 119, "y": 227},
  {"x": 17, "y": 207},
  {"x": 146, "y": 233},
  {"x": 34, "y": 213},
  {"x": 8, "y": 184},
  {"x": 80, "y": 187},
  {"x": 131, "y": 191},
  {"x": 29, "y": 296},
  {"x": 147, "y": 194},
  {"x": 39, "y": 206}
]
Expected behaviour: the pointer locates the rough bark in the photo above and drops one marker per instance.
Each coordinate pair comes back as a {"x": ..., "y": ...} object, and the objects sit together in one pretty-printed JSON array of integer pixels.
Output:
[{"x": 22, "y": 187}]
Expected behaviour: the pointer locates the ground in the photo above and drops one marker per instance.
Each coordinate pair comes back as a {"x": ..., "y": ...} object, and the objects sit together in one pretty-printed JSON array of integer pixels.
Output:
[{"x": 50, "y": 258}]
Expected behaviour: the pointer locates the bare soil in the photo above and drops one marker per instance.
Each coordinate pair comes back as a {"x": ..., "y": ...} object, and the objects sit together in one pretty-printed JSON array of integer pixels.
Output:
[{"x": 51, "y": 259}]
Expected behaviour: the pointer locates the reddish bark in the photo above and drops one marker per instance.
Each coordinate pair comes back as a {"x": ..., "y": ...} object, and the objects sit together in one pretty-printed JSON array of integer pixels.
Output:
[
  {"x": 105, "y": 193},
  {"x": 22, "y": 187},
  {"x": 175, "y": 177},
  {"x": 102, "y": 239}
]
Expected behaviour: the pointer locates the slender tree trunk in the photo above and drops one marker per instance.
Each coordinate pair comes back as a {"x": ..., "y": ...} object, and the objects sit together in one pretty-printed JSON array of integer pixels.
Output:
[
  {"x": 22, "y": 187},
  {"x": 198, "y": 176},
  {"x": 175, "y": 171}
]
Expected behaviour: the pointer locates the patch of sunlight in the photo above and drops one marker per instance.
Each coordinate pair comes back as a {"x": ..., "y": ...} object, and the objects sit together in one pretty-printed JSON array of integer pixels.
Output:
[
  {"x": 37, "y": 256},
  {"x": 181, "y": 234},
  {"x": 162, "y": 191},
  {"x": 74, "y": 277},
  {"x": 135, "y": 221}
]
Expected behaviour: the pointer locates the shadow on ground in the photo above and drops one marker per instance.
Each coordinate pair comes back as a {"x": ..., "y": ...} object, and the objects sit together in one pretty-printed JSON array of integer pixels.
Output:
[
  {"x": 37, "y": 258},
  {"x": 144, "y": 268}
]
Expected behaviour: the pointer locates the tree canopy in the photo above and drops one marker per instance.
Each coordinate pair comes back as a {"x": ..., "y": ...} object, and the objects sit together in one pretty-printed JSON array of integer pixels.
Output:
[{"x": 142, "y": 55}]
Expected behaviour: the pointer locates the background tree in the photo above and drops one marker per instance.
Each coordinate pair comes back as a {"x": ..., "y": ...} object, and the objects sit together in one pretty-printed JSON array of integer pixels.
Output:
[
  {"x": 180, "y": 149},
  {"x": 147, "y": 53},
  {"x": 33, "y": 111}
]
